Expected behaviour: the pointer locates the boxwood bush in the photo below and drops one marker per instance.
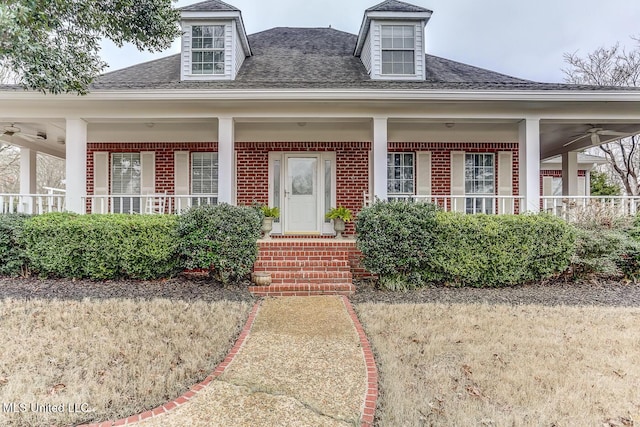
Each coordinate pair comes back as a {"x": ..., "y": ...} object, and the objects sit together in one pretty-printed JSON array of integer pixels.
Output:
[
  {"x": 221, "y": 239},
  {"x": 408, "y": 245},
  {"x": 12, "y": 251},
  {"x": 102, "y": 247}
]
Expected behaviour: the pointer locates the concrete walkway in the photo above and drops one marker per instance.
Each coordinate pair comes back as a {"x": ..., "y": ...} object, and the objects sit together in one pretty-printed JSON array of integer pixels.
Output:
[{"x": 300, "y": 361}]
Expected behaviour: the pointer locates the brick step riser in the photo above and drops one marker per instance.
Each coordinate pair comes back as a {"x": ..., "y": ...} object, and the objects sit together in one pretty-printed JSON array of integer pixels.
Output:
[
  {"x": 294, "y": 256},
  {"x": 292, "y": 269},
  {"x": 304, "y": 263},
  {"x": 303, "y": 280},
  {"x": 304, "y": 289},
  {"x": 299, "y": 259}
]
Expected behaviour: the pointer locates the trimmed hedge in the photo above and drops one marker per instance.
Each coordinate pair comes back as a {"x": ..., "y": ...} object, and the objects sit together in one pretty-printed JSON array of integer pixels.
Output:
[
  {"x": 12, "y": 251},
  {"x": 102, "y": 247},
  {"x": 407, "y": 245},
  {"x": 220, "y": 238}
]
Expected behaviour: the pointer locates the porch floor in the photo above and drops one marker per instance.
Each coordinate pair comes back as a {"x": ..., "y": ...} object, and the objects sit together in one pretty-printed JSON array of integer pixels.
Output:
[{"x": 305, "y": 266}]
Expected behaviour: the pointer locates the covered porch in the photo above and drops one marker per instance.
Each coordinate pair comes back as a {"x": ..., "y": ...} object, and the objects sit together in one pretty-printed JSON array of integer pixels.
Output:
[{"x": 308, "y": 156}]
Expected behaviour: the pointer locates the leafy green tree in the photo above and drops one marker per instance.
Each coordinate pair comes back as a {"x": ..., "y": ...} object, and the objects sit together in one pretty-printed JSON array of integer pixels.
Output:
[
  {"x": 53, "y": 45},
  {"x": 601, "y": 185}
]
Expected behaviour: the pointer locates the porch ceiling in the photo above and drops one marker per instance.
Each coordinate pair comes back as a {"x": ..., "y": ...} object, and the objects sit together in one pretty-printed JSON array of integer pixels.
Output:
[
  {"x": 51, "y": 134},
  {"x": 555, "y": 135}
]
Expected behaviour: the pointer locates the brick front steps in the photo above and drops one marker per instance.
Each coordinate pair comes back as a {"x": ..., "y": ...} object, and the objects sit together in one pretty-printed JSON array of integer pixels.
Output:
[{"x": 304, "y": 267}]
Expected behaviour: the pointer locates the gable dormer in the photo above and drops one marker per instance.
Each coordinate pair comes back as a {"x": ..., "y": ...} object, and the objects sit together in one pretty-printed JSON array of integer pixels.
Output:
[
  {"x": 214, "y": 41},
  {"x": 391, "y": 41}
]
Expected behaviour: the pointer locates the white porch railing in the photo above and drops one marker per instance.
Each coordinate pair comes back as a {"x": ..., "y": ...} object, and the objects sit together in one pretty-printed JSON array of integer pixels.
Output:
[
  {"x": 32, "y": 203},
  {"x": 575, "y": 208},
  {"x": 488, "y": 204},
  {"x": 145, "y": 204}
]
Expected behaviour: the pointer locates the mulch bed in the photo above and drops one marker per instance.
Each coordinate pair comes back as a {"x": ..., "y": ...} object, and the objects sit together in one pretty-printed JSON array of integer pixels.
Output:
[
  {"x": 597, "y": 292},
  {"x": 191, "y": 287}
]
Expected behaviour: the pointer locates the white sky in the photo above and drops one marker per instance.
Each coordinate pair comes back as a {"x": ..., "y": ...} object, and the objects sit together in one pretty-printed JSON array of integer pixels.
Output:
[{"x": 523, "y": 39}]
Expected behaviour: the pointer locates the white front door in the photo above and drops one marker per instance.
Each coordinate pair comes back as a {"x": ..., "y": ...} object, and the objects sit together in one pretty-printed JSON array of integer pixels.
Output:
[{"x": 301, "y": 193}]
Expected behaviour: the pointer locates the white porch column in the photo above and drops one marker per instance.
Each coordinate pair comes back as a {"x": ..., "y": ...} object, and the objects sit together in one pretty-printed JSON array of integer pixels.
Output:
[
  {"x": 379, "y": 158},
  {"x": 28, "y": 180},
  {"x": 76, "y": 165},
  {"x": 226, "y": 160},
  {"x": 529, "y": 163},
  {"x": 570, "y": 173}
]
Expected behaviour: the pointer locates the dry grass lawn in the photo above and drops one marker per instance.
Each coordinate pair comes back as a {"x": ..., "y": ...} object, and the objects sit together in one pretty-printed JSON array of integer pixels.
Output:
[
  {"x": 499, "y": 365},
  {"x": 116, "y": 356}
]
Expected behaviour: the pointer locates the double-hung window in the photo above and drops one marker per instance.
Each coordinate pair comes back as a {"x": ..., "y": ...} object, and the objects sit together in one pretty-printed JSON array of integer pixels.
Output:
[
  {"x": 204, "y": 178},
  {"x": 479, "y": 177},
  {"x": 400, "y": 175},
  {"x": 207, "y": 49},
  {"x": 125, "y": 181},
  {"x": 398, "y": 49}
]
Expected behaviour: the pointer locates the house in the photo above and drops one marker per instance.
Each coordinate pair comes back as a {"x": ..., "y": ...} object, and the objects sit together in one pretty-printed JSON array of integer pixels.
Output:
[{"x": 311, "y": 118}]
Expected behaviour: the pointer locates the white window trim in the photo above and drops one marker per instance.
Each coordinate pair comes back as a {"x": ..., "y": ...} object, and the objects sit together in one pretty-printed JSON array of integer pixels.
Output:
[
  {"x": 402, "y": 153},
  {"x": 213, "y": 49},
  {"x": 383, "y": 49},
  {"x": 186, "y": 53}
]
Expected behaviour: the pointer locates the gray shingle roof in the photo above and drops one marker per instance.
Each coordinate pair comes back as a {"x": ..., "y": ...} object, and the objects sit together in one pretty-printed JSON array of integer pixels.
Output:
[
  {"x": 209, "y": 6},
  {"x": 314, "y": 58},
  {"x": 396, "y": 6}
]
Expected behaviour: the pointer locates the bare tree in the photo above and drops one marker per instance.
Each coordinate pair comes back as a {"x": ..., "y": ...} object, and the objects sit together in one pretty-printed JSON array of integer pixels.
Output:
[
  {"x": 9, "y": 169},
  {"x": 613, "y": 66}
]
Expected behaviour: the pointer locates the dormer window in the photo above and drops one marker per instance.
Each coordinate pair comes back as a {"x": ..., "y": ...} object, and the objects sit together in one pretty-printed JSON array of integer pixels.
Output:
[
  {"x": 207, "y": 49},
  {"x": 398, "y": 49}
]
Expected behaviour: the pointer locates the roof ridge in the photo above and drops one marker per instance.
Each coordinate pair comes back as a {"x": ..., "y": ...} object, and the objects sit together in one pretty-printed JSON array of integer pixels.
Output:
[
  {"x": 381, "y": 6},
  {"x": 219, "y": 2}
]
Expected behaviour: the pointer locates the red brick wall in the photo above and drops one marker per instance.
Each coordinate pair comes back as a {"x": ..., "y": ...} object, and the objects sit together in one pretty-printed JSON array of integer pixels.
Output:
[
  {"x": 164, "y": 158},
  {"x": 352, "y": 170},
  {"x": 441, "y": 159},
  {"x": 557, "y": 174}
]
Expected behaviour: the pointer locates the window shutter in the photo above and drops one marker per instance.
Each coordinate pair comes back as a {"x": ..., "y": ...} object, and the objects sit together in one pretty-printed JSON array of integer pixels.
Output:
[
  {"x": 582, "y": 186},
  {"x": 423, "y": 173},
  {"x": 100, "y": 182},
  {"x": 457, "y": 181},
  {"x": 505, "y": 181},
  {"x": 147, "y": 177},
  {"x": 147, "y": 172},
  {"x": 547, "y": 186},
  {"x": 181, "y": 172}
]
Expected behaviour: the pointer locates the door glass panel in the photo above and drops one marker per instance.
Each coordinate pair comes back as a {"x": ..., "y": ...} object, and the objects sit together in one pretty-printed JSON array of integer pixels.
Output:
[
  {"x": 276, "y": 186},
  {"x": 327, "y": 187},
  {"x": 301, "y": 172}
]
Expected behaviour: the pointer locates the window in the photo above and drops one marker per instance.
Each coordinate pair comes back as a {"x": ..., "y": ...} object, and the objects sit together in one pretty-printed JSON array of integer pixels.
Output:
[
  {"x": 207, "y": 49},
  {"x": 398, "y": 49},
  {"x": 400, "y": 174},
  {"x": 125, "y": 180},
  {"x": 204, "y": 178},
  {"x": 479, "y": 179}
]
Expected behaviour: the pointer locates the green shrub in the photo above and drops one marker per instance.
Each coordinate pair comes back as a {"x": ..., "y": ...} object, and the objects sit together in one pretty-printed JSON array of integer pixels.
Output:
[
  {"x": 407, "y": 245},
  {"x": 12, "y": 251},
  {"x": 395, "y": 239},
  {"x": 102, "y": 247},
  {"x": 221, "y": 239},
  {"x": 612, "y": 250},
  {"x": 499, "y": 250}
]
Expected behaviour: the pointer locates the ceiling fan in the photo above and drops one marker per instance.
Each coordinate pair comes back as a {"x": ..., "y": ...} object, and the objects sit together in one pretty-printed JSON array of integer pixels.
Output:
[
  {"x": 594, "y": 133},
  {"x": 12, "y": 129}
]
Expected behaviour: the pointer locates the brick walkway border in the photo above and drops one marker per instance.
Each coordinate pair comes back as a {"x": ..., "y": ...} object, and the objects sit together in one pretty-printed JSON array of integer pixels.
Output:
[
  {"x": 370, "y": 398},
  {"x": 171, "y": 405},
  {"x": 371, "y": 395}
]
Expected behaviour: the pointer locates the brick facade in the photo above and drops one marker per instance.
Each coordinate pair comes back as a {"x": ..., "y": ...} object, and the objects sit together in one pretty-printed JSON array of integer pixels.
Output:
[
  {"x": 352, "y": 165},
  {"x": 441, "y": 159},
  {"x": 164, "y": 158},
  {"x": 352, "y": 170}
]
